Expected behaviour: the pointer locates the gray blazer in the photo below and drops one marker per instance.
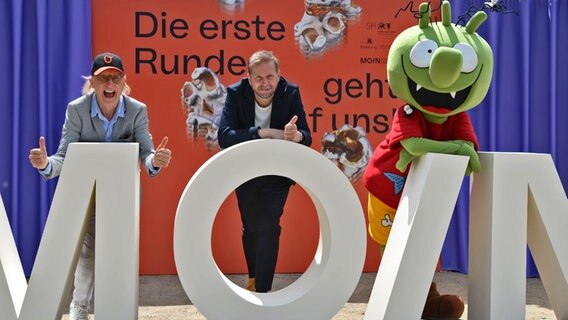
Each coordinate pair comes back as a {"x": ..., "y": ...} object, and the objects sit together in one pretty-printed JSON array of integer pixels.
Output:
[{"x": 79, "y": 126}]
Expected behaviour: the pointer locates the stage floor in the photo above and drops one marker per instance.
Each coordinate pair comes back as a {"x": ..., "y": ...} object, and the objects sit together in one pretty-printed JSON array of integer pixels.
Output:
[{"x": 162, "y": 297}]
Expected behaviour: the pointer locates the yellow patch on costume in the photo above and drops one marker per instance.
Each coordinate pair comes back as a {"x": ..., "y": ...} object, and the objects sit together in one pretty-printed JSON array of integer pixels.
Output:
[{"x": 381, "y": 217}]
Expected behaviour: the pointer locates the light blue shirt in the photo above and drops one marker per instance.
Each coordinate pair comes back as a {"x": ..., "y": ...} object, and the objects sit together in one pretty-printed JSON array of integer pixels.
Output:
[{"x": 109, "y": 125}]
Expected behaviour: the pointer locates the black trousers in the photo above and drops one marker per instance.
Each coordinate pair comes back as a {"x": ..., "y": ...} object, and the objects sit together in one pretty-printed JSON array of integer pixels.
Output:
[{"x": 261, "y": 204}]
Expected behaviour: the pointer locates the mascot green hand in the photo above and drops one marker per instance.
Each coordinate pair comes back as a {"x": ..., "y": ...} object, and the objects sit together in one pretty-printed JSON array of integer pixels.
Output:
[{"x": 439, "y": 70}]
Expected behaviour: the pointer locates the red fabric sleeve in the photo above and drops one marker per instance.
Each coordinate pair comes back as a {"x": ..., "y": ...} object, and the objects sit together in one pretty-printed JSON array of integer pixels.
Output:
[{"x": 406, "y": 126}]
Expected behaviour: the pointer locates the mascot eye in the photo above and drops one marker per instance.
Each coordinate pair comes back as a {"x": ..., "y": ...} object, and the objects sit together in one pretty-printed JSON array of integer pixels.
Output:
[
  {"x": 469, "y": 57},
  {"x": 421, "y": 53}
]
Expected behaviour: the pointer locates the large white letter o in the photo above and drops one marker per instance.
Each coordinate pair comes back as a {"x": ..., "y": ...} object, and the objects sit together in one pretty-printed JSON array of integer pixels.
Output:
[{"x": 332, "y": 276}]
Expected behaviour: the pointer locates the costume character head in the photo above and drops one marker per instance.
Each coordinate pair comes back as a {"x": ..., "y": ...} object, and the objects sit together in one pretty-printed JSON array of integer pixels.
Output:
[{"x": 441, "y": 68}]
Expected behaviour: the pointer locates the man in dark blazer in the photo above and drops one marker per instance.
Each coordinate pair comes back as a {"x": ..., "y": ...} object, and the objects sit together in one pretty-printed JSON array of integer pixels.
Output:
[
  {"x": 262, "y": 106},
  {"x": 105, "y": 113}
]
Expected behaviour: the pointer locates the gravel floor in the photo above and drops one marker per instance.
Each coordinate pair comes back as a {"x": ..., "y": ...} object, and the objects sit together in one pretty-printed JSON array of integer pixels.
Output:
[{"x": 163, "y": 297}]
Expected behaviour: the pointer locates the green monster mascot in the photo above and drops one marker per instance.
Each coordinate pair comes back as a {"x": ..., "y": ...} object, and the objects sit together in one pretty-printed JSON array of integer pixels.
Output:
[{"x": 439, "y": 70}]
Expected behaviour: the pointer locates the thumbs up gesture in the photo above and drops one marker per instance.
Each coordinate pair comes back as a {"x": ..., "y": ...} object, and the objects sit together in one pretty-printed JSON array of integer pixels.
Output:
[
  {"x": 38, "y": 156},
  {"x": 291, "y": 132},
  {"x": 162, "y": 156}
]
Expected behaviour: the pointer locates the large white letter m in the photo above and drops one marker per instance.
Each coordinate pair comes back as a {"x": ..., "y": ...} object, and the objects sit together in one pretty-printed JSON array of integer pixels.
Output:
[{"x": 104, "y": 176}]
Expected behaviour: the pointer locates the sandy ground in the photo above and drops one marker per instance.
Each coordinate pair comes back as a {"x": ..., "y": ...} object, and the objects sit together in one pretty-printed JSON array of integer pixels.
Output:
[{"x": 163, "y": 297}]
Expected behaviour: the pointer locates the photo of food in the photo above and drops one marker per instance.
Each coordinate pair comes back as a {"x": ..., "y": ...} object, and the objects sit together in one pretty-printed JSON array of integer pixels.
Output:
[
  {"x": 202, "y": 101},
  {"x": 232, "y": 6},
  {"x": 323, "y": 24},
  {"x": 349, "y": 149}
]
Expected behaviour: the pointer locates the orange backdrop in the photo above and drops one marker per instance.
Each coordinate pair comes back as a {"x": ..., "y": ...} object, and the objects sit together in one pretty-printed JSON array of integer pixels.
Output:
[{"x": 162, "y": 42}]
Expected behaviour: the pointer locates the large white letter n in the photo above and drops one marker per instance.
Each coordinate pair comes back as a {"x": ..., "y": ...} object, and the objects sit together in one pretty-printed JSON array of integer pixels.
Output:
[
  {"x": 101, "y": 175},
  {"x": 516, "y": 198}
]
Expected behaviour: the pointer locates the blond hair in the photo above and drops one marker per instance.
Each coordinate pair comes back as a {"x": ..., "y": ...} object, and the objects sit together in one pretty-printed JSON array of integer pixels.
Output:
[
  {"x": 262, "y": 56},
  {"x": 88, "y": 87}
]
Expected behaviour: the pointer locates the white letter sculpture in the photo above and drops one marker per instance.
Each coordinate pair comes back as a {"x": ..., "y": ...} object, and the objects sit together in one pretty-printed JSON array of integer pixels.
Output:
[
  {"x": 515, "y": 195},
  {"x": 111, "y": 171},
  {"x": 416, "y": 238},
  {"x": 333, "y": 274}
]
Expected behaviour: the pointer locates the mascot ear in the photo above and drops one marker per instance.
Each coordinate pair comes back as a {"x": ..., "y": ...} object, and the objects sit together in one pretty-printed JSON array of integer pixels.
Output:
[
  {"x": 475, "y": 22},
  {"x": 424, "y": 15},
  {"x": 446, "y": 14}
]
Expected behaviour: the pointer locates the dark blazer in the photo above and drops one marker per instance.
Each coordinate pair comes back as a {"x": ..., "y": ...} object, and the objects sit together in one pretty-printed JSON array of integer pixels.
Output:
[
  {"x": 237, "y": 121},
  {"x": 79, "y": 126}
]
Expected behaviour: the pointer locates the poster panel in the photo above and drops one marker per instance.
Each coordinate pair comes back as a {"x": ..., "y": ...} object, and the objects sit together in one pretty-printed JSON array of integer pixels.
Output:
[{"x": 180, "y": 56}]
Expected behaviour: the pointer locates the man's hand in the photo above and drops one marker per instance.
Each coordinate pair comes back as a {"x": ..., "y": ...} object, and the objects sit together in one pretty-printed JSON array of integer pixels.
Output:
[
  {"x": 291, "y": 132},
  {"x": 162, "y": 156},
  {"x": 38, "y": 156}
]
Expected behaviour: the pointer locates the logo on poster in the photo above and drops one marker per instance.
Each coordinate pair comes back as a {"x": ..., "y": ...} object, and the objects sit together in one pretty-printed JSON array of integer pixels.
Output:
[
  {"x": 372, "y": 60},
  {"x": 368, "y": 43},
  {"x": 380, "y": 25},
  {"x": 382, "y": 28}
]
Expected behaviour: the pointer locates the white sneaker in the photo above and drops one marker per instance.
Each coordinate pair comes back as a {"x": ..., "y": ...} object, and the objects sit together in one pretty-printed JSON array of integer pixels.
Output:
[{"x": 78, "y": 312}]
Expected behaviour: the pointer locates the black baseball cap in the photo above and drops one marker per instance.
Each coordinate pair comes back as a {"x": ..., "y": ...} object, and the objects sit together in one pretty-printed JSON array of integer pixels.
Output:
[{"x": 105, "y": 61}]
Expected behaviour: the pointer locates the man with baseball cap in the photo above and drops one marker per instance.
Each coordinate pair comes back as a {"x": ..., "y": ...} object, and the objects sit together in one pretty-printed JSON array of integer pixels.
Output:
[{"x": 104, "y": 113}]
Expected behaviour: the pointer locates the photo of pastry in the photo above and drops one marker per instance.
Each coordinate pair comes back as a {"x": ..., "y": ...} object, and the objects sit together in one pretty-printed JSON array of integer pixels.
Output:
[
  {"x": 202, "y": 101},
  {"x": 324, "y": 24},
  {"x": 349, "y": 149}
]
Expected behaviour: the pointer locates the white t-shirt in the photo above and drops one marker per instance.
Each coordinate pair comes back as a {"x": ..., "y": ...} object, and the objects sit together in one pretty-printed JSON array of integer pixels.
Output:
[{"x": 262, "y": 116}]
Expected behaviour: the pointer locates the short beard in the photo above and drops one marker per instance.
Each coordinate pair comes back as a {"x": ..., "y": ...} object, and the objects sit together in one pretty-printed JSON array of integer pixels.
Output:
[{"x": 265, "y": 96}]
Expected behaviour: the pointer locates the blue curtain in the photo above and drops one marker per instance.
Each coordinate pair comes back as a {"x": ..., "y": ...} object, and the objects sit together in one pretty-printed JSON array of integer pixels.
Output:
[
  {"x": 523, "y": 111},
  {"x": 45, "y": 46}
]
